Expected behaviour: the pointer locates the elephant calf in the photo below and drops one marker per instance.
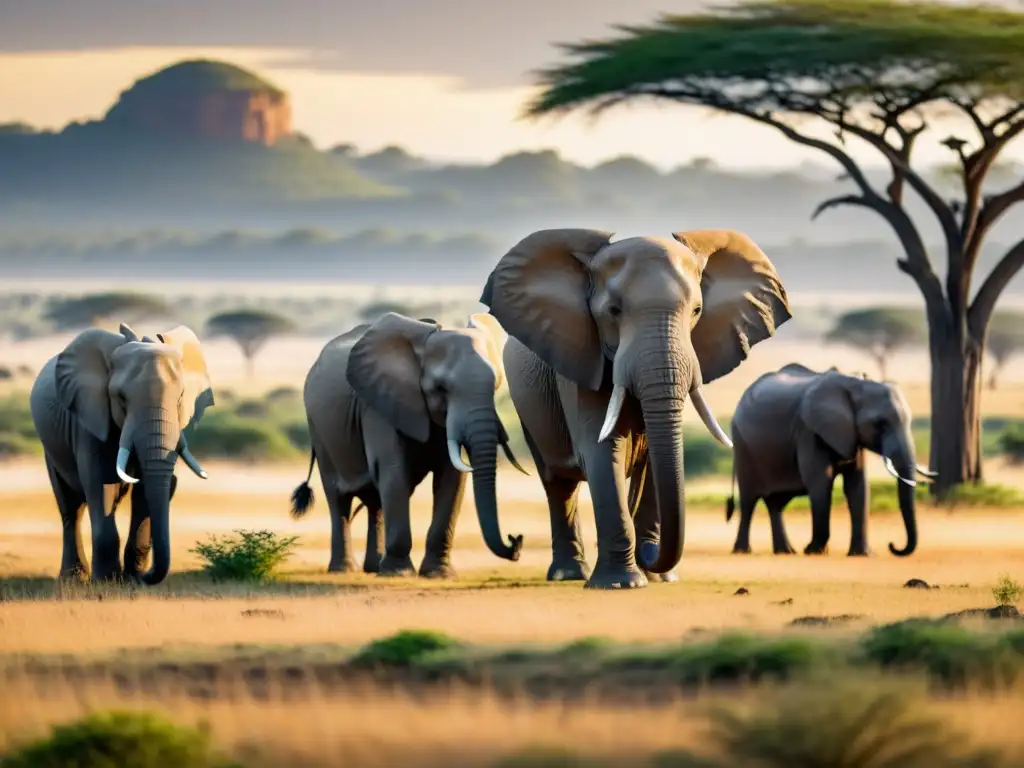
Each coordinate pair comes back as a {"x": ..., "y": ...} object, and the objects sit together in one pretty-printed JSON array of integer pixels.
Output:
[
  {"x": 389, "y": 403},
  {"x": 109, "y": 407},
  {"x": 795, "y": 430}
]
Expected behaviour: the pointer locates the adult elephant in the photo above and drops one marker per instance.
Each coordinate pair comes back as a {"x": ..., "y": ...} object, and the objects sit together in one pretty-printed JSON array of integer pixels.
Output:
[
  {"x": 608, "y": 340},
  {"x": 112, "y": 410},
  {"x": 389, "y": 403},
  {"x": 795, "y": 430}
]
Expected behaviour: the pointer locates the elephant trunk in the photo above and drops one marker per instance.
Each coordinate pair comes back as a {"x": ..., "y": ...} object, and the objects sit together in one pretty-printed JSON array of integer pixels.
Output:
[
  {"x": 900, "y": 461},
  {"x": 156, "y": 440},
  {"x": 661, "y": 385},
  {"x": 481, "y": 435}
]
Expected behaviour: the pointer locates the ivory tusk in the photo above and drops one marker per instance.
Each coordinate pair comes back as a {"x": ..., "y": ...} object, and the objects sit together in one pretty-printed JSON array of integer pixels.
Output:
[
  {"x": 512, "y": 458},
  {"x": 190, "y": 461},
  {"x": 926, "y": 472},
  {"x": 611, "y": 417},
  {"x": 455, "y": 454},
  {"x": 891, "y": 468},
  {"x": 122, "y": 462},
  {"x": 704, "y": 411}
]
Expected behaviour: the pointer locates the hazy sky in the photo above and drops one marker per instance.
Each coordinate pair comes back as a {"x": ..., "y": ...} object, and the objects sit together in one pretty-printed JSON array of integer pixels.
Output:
[{"x": 443, "y": 78}]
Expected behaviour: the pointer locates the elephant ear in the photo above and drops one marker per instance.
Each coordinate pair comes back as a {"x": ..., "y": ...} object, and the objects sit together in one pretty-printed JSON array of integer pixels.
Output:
[
  {"x": 496, "y": 339},
  {"x": 827, "y": 410},
  {"x": 744, "y": 299},
  {"x": 384, "y": 369},
  {"x": 539, "y": 292},
  {"x": 83, "y": 379},
  {"x": 198, "y": 391}
]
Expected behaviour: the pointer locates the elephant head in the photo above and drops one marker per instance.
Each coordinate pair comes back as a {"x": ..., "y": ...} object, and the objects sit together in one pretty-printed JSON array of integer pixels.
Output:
[
  {"x": 652, "y": 318},
  {"x": 416, "y": 374},
  {"x": 150, "y": 391},
  {"x": 849, "y": 412}
]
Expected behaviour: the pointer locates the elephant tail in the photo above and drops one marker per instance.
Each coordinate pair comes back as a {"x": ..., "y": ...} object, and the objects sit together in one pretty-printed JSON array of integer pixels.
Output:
[
  {"x": 730, "y": 503},
  {"x": 302, "y": 497}
]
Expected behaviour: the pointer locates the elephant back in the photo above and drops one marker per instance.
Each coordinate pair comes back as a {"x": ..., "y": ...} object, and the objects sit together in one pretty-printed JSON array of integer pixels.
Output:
[{"x": 326, "y": 387}]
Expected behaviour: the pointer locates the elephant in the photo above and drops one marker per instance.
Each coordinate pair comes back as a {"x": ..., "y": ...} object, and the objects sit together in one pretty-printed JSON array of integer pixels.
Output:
[
  {"x": 795, "y": 430},
  {"x": 607, "y": 340},
  {"x": 112, "y": 412},
  {"x": 389, "y": 402}
]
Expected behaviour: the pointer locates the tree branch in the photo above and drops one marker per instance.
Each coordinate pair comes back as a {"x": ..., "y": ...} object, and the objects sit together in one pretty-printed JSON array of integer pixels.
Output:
[{"x": 985, "y": 301}]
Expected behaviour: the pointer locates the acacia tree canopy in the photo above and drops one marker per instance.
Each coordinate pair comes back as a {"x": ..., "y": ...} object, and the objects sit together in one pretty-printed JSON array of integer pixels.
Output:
[
  {"x": 249, "y": 328},
  {"x": 93, "y": 308},
  {"x": 879, "y": 331}
]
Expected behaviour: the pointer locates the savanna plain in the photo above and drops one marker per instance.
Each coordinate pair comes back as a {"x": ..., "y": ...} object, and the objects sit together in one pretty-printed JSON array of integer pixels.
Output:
[{"x": 746, "y": 660}]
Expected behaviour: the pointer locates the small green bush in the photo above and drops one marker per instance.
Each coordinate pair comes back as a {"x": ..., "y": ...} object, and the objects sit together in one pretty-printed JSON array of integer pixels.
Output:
[
  {"x": 1011, "y": 443},
  {"x": 1007, "y": 591},
  {"x": 224, "y": 434},
  {"x": 404, "y": 649},
  {"x": 249, "y": 556},
  {"x": 118, "y": 740}
]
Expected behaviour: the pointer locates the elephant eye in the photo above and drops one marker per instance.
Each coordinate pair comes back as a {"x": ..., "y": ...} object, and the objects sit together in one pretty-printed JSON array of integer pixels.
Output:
[
  {"x": 697, "y": 310},
  {"x": 614, "y": 310}
]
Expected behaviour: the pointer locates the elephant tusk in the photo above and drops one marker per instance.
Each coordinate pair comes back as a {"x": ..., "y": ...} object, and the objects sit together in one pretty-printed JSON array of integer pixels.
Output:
[
  {"x": 455, "y": 454},
  {"x": 611, "y": 417},
  {"x": 704, "y": 411},
  {"x": 891, "y": 468},
  {"x": 190, "y": 461},
  {"x": 512, "y": 458},
  {"x": 926, "y": 472},
  {"x": 122, "y": 463}
]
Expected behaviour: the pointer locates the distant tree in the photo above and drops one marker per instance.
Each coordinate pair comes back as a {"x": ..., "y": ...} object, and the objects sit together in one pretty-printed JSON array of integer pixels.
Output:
[
  {"x": 879, "y": 332},
  {"x": 250, "y": 329},
  {"x": 104, "y": 308},
  {"x": 368, "y": 313},
  {"x": 874, "y": 73},
  {"x": 1005, "y": 339}
]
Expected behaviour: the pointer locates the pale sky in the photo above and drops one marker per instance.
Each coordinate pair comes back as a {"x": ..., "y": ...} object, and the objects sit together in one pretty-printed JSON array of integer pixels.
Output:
[{"x": 442, "y": 78}]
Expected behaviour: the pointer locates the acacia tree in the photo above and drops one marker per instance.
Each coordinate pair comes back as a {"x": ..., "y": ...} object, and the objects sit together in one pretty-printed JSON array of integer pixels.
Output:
[
  {"x": 1005, "y": 339},
  {"x": 95, "y": 309},
  {"x": 250, "y": 329},
  {"x": 878, "y": 331},
  {"x": 873, "y": 71}
]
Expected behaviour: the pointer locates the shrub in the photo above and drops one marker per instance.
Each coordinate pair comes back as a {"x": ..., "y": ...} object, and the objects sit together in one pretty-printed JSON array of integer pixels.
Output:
[
  {"x": 830, "y": 725},
  {"x": 249, "y": 556},
  {"x": 224, "y": 434},
  {"x": 116, "y": 739},
  {"x": 1007, "y": 591},
  {"x": 404, "y": 648},
  {"x": 1011, "y": 443}
]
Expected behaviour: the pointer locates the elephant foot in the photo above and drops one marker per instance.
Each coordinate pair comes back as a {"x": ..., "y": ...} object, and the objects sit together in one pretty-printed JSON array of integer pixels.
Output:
[
  {"x": 670, "y": 577},
  {"x": 396, "y": 567},
  {"x": 108, "y": 574},
  {"x": 371, "y": 564},
  {"x": 786, "y": 549},
  {"x": 816, "y": 549},
  {"x": 740, "y": 549},
  {"x": 568, "y": 570},
  {"x": 860, "y": 552},
  {"x": 616, "y": 577},
  {"x": 75, "y": 574},
  {"x": 434, "y": 567},
  {"x": 343, "y": 566}
]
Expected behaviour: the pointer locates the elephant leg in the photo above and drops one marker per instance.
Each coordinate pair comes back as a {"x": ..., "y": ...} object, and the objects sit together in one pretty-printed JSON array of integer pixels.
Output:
[
  {"x": 818, "y": 478},
  {"x": 70, "y": 504},
  {"x": 748, "y": 502},
  {"x": 776, "y": 504},
  {"x": 395, "y": 491},
  {"x": 449, "y": 485},
  {"x": 857, "y": 493},
  {"x": 568, "y": 561},
  {"x": 647, "y": 524},
  {"x": 106, "y": 542},
  {"x": 374, "y": 532},
  {"x": 140, "y": 541},
  {"x": 616, "y": 566}
]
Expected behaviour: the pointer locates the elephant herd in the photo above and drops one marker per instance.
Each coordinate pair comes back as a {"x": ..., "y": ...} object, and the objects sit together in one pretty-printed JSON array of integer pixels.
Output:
[{"x": 601, "y": 344}]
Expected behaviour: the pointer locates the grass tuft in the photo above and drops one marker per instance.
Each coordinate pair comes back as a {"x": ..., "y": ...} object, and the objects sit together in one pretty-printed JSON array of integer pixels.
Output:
[
  {"x": 404, "y": 649},
  {"x": 1007, "y": 591}
]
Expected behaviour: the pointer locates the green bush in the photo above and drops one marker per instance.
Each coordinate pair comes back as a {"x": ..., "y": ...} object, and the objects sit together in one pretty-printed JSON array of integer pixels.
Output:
[
  {"x": 248, "y": 556},
  {"x": 1007, "y": 591},
  {"x": 1011, "y": 442},
  {"x": 404, "y": 649},
  {"x": 117, "y": 740},
  {"x": 225, "y": 435}
]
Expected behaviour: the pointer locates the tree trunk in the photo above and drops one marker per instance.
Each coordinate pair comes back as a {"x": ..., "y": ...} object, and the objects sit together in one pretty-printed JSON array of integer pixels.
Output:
[{"x": 956, "y": 411}]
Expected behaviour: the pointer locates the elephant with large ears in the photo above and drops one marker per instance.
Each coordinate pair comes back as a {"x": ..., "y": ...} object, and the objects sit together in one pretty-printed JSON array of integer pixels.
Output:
[
  {"x": 795, "y": 430},
  {"x": 112, "y": 411},
  {"x": 607, "y": 342},
  {"x": 389, "y": 403}
]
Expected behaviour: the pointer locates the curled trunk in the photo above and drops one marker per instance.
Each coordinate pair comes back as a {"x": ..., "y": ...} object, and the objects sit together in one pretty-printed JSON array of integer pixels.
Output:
[
  {"x": 903, "y": 461},
  {"x": 481, "y": 439}
]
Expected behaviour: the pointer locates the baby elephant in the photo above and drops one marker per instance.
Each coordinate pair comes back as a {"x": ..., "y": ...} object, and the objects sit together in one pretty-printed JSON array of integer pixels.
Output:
[
  {"x": 795, "y": 430},
  {"x": 389, "y": 403},
  {"x": 111, "y": 411}
]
